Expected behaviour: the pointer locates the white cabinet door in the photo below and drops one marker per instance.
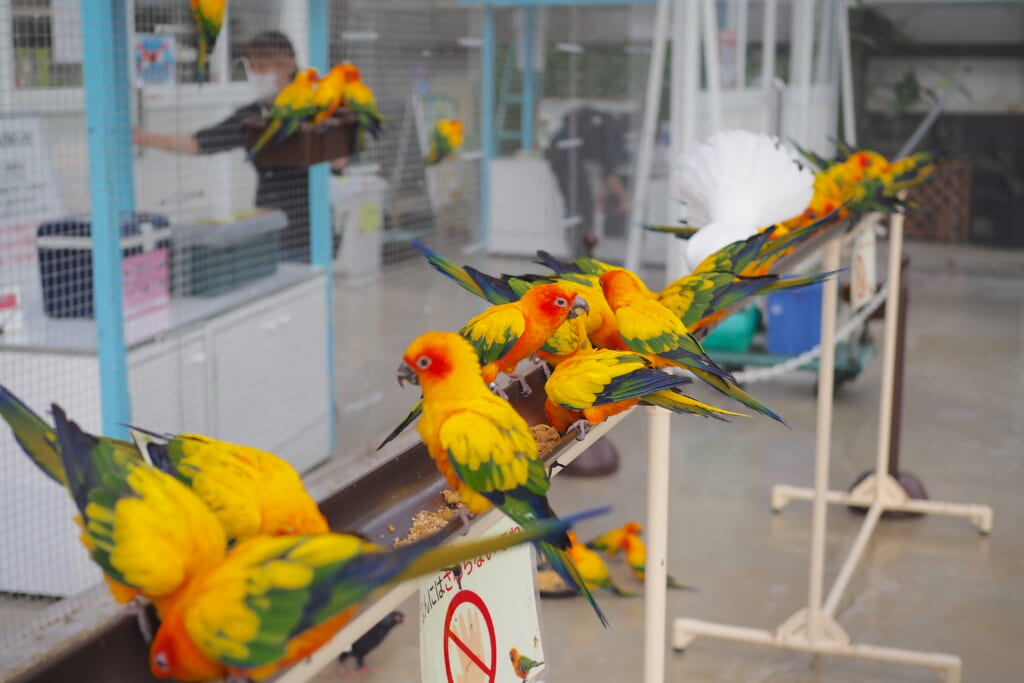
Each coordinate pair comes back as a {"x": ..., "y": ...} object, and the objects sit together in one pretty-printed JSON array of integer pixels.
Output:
[
  {"x": 270, "y": 381},
  {"x": 196, "y": 380},
  {"x": 154, "y": 386},
  {"x": 42, "y": 555}
]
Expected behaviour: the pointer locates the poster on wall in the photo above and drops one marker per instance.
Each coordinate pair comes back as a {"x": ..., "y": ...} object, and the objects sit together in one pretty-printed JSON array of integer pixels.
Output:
[
  {"x": 155, "y": 59},
  {"x": 28, "y": 195}
]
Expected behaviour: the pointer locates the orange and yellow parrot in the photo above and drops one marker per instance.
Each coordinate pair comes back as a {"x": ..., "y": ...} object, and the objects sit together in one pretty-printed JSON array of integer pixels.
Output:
[
  {"x": 251, "y": 492},
  {"x": 648, "y": 327},
  {"x": 610, "y": 542},
  {"x": 480, "y": 444},
  {"x": 249, "y": 611},
  {"x": 505, "y": 334},
  {"x": 592, "y": 385},
  {"x": 521, "y": 664},
  {"x": 445, "y": 140},
  {"x": 209, "y": 17},
  {"x": 360, "y": 99},
  {"x": 329, "y": 93},
  {"x": 593, "y": 569},
  {"x": 636, "y": 558},
  {"x": 39, "y": 441},
  {"x": 293, "y": 105}
]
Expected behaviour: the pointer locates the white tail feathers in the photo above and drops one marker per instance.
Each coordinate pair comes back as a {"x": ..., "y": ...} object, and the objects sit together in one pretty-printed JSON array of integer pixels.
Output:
[{"x": 736, "y": 183}]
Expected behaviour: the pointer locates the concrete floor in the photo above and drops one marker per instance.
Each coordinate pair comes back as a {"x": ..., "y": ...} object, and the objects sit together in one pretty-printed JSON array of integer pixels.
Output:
[{"x": 932, "y": 583}]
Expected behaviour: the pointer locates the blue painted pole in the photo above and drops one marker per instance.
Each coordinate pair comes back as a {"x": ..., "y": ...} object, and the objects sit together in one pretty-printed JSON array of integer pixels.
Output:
[
  {"x": 111, "y": 192},
  {"x": 321, "y": 230},
  {"x": 526, "y": 107},
  {"x": 487, "y": 124}
]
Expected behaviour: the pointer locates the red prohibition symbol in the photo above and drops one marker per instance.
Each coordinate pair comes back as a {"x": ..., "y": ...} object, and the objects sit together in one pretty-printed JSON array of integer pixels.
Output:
[{"x": 453, "y": 644}]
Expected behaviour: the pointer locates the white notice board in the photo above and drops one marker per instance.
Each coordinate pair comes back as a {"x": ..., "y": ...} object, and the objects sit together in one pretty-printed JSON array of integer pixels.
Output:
[{"x": 467, "y": 632}]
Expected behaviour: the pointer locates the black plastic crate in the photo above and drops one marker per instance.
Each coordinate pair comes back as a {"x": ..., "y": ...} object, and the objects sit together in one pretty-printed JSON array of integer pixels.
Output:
[{"x": 65, "y": 257}]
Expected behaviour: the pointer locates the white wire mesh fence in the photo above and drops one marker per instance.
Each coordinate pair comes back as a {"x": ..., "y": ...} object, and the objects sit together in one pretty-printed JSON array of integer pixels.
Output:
[{"x": 225, "y": 323}]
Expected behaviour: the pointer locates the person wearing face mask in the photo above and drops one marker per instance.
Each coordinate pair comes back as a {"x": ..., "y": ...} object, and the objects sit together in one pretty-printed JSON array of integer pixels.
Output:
[{"x": 271, "y": 65}]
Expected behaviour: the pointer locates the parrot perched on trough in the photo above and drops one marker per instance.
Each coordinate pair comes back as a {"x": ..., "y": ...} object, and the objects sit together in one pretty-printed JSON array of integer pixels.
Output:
[
  {"x": 593, "y": 569},
  {"x": 648, "y": 327},
  {"x": 251, "y": 492},
  {"x": 249, "y": 611},
  {"x": 592, "y": 385},
  {"x": 505, "y": 334},
  {"x": 293, "y": 105},
  {"x": 209, "y": 17},
  {"x": 481, "y": 445},
  {"x": 445, "y": 140}
]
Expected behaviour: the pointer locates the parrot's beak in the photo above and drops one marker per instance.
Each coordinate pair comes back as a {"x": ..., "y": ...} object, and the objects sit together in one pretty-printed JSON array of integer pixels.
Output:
[
  {"x": 406, "y": 374},
  {"x": 579, "y": 307}
]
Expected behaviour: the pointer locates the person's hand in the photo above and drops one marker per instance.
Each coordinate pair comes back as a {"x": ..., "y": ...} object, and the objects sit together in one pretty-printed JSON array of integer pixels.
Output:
[
  {"x": 339, "y": 163},
  {"x": 469, "y": 629},
  {"x": 138, "y": 136},
  {"x": 613, "y": 186}
]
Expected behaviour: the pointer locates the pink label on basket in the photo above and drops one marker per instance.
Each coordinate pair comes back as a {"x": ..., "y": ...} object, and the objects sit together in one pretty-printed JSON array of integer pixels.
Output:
[{"x": 147, "y": 283}]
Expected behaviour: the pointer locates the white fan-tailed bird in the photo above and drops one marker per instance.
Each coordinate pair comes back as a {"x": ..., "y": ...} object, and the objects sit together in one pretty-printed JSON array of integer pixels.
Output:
[{"x": 736, "y": 183}]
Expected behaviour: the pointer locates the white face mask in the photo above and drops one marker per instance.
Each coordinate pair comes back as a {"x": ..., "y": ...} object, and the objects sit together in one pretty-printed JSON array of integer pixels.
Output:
[{"x": 265, "y": 84}]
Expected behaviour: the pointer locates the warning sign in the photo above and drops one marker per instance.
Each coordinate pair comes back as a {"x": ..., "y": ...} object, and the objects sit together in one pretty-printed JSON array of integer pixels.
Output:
[{"x": 469, "y": 624}]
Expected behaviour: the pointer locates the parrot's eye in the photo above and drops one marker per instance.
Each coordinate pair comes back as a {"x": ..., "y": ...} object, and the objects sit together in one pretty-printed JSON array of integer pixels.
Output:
[
  {"x": 423, "y": 362},
  {"x": 561, "y": 302},
  {"x": 160, "y": 661}
]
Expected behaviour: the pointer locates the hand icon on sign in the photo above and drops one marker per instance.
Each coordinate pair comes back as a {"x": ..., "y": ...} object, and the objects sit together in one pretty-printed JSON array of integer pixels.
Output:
[{"x": 468, "y": 628}]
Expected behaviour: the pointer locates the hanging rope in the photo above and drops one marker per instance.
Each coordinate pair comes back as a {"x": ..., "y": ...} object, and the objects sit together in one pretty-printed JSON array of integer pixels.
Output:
[{"x": 842, "y": 334}]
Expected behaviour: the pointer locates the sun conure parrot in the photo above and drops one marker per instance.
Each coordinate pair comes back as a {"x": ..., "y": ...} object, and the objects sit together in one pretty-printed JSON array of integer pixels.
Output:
[
  {"x": 209, "y": 17},
  {"x": 593, "y": 569},
  {"x": 445, "y": 139},
  {"x": 736, "y": 183},
  {"x": 592, "y": 385},
  {"x": 293, "y": 105},
  {"x": 329, "y": 93},
  {"x": 610, "y": 542},
  {"x": 648, "y": 327},
  {"x": 636, "y": 558},
  {"x": 505, "y": 334},
  {"x": 249, "y": 611},
  {"x": 600, "y": 320},
  {"x": 359, "y": 98},
  {"x": 521, "y": 664},
  {"x": 251, "y": 492},
  {"x": 480, "y": 444},
  {"x": 39, "y": 441}
]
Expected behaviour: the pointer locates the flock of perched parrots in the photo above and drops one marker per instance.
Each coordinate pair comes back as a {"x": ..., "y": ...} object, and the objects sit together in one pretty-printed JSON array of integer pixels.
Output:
[
  {"x": 311, "y": 99},
  {"x": 244, "y": 573}
]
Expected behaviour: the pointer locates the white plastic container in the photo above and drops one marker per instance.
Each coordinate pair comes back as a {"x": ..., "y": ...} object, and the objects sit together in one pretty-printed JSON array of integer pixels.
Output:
[{"x": 357, "y": 202}]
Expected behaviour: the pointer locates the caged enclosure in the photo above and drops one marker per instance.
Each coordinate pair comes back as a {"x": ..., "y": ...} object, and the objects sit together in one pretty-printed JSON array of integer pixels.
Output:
[{"x": 157, "y": 271}]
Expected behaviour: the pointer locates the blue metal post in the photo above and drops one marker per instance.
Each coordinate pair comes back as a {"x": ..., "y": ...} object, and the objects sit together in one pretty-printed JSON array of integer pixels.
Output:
[
  {"x": 321, "y": 230},
  {"x": 487, "y": 124},
  {"x": 526, "y": 107},
  {"x": 111, "y": 192}
]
